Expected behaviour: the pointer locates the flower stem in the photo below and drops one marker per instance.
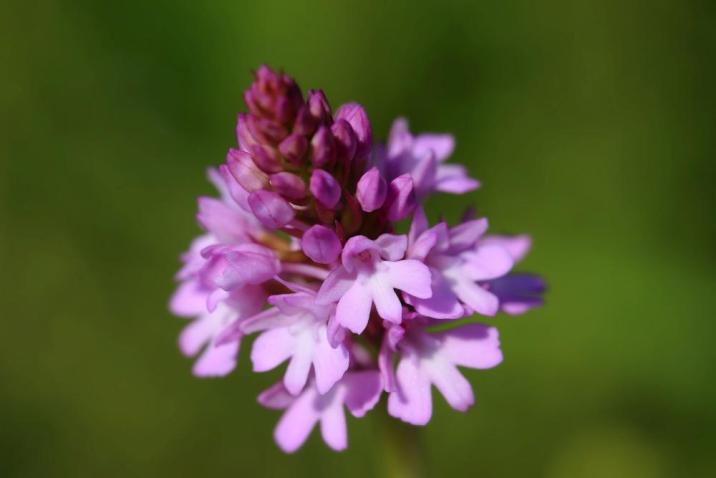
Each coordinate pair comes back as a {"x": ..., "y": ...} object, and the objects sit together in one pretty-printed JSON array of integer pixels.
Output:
[{"x": 403, "y": 457}]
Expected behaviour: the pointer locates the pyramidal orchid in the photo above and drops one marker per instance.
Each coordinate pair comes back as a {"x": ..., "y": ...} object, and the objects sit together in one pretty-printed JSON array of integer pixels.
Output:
[{"x": 302, "y": 250}]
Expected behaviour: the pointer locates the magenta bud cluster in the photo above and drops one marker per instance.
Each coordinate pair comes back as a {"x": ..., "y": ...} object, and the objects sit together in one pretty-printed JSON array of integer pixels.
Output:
[{"x": 301, "y": 249}]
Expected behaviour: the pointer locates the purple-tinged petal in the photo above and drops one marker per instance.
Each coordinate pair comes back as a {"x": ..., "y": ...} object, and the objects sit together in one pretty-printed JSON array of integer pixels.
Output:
[
  {"x": 243, "y": 135},
  {"x": 392, "y": 246},
  {"x": 276, "y": 397},
  {"x": 195, "y": 335},
  {"x": 236, "y": 191},
  {"x": 385, "y": 365},
  {"x": 399, "y": 138},
  {"x": 464, "y": 236},
  {"x": 335, "y": 286},
  {"x": 297, "y": 422},
  {"x": 518, "y": 293},
  {"x": 410, "y": 276},
  {"x": 323, "y": 148},
  {"x": 346, "y": 141},
  {"x": 362, "y": 391},
  {"x": 359, "y": 251},
  {"x": 423, "y": 174},
  {"x": 321, "y": 244},
  {"x": 353, "y": 308},
  {"x": 293, "y": 148},
  {"x": 271, "y": 209},
  {"x": 443, "y": 304},
  {"x": 412, "y": 402},
  {"x": 418, "y": 225}
]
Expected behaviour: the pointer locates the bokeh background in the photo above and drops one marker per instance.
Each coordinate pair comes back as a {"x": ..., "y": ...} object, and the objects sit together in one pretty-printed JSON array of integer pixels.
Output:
[{"x": 591, "y": 124}]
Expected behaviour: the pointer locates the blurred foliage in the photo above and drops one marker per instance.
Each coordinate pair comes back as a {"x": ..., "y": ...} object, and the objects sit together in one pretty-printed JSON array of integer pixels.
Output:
[{"x": 590, "y": 123}]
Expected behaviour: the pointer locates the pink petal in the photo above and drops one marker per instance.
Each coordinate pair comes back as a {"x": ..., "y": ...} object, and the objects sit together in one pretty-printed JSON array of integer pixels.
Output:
[
  {"x": 451, "y": 383},
  {"x": 392, "y": 246},
  {"x": 195, "y": 335},
  {"x": 333, "y": 427},
  {"x": 480, "y": 300},
  {"x": 300, "y": 364},
  {"x": 471, "y": 345},
  {"x": 464, "y": 236},
  {"x": 442, "y": 145},
  {"x": 217, "y": 360},
  {"x": 272, "y": 348},
  {"x": 442, "y": 304},
  {"x": 453, "y": 178},
  {"x": 189, "y": 300},
  {"x": 335, "y": 286},
  {"x": 353, "y": 308},
  {"x": 386, "y": 300},
  {"x": 412, "y": 402},
  {"x": 516, "y": 246},
  {"x": 487, "y": 262},
  {"x": 329, "y": 364},
  {"x": 418, "y": 225},
  {"x": 410, "y": 276},
  {"x": 297, "y": 422}
]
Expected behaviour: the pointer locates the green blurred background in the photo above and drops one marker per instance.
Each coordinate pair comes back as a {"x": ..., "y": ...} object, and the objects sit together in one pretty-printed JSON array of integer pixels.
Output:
[{"x": 590, "y": 123}]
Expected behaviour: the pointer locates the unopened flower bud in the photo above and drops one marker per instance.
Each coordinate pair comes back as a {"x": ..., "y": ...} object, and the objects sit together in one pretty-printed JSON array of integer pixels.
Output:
[
  {"x": 346, "y": 141},
  {"x": 288, "y": 185},
  {"x": 245, "y": 171},
  {"x": 356, "y": 116},
  {"x": 372, "y": 190},
  {"x": 321, "y": 244},
  {"x": 265, "y": 130},
  {"x": 318, "y": 106},
  {"x": 266, "y": 158},
  {"x": 293, "y": 148},
  {"x": 305, "y": 124},
  {"x": 243, "y": 135},
  {"x": 323, "y": 147},
  {"x": 325, "y": 188},
  {"x": 401, "y": 198},
  {"x": 271, "y": 209}
]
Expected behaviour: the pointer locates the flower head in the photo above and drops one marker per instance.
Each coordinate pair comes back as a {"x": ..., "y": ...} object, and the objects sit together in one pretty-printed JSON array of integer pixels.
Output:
[{"x": 300, "y": 250}]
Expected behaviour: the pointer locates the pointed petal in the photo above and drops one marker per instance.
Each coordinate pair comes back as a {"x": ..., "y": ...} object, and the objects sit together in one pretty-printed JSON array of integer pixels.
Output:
[
  {"x": 276, "y": 397},
  {"x": 392, "y": 246}
]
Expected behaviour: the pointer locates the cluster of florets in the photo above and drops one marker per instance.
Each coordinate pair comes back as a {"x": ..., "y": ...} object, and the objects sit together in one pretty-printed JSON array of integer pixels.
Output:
[{"x": 300, "y": 248}]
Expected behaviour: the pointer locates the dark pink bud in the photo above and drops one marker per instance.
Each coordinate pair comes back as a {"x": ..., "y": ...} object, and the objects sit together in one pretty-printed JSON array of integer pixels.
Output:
[
  {"x": 288, "y": 185},
  {"x": 305, "y": 123},
  {"x": 294, "y": 148},
  {"x": 325, "y": 188},
  {"x": 243, "y": 135},
  {"x": 318, "y": 106},
  {"x": 346, "y": 141},
  {"x": 266, "y": 158},
  {"x": 321, "y": 244},
  {"x": 323, "y": 147},
  {"x": 401, "y": 198},
  {"x": 243, "y": 169},
  {"x": 271, "y": 209},
  {"x": 372, "y": 190},
  {"x": 265, "y": 130},
  {"x": 356, "y": 116}
]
